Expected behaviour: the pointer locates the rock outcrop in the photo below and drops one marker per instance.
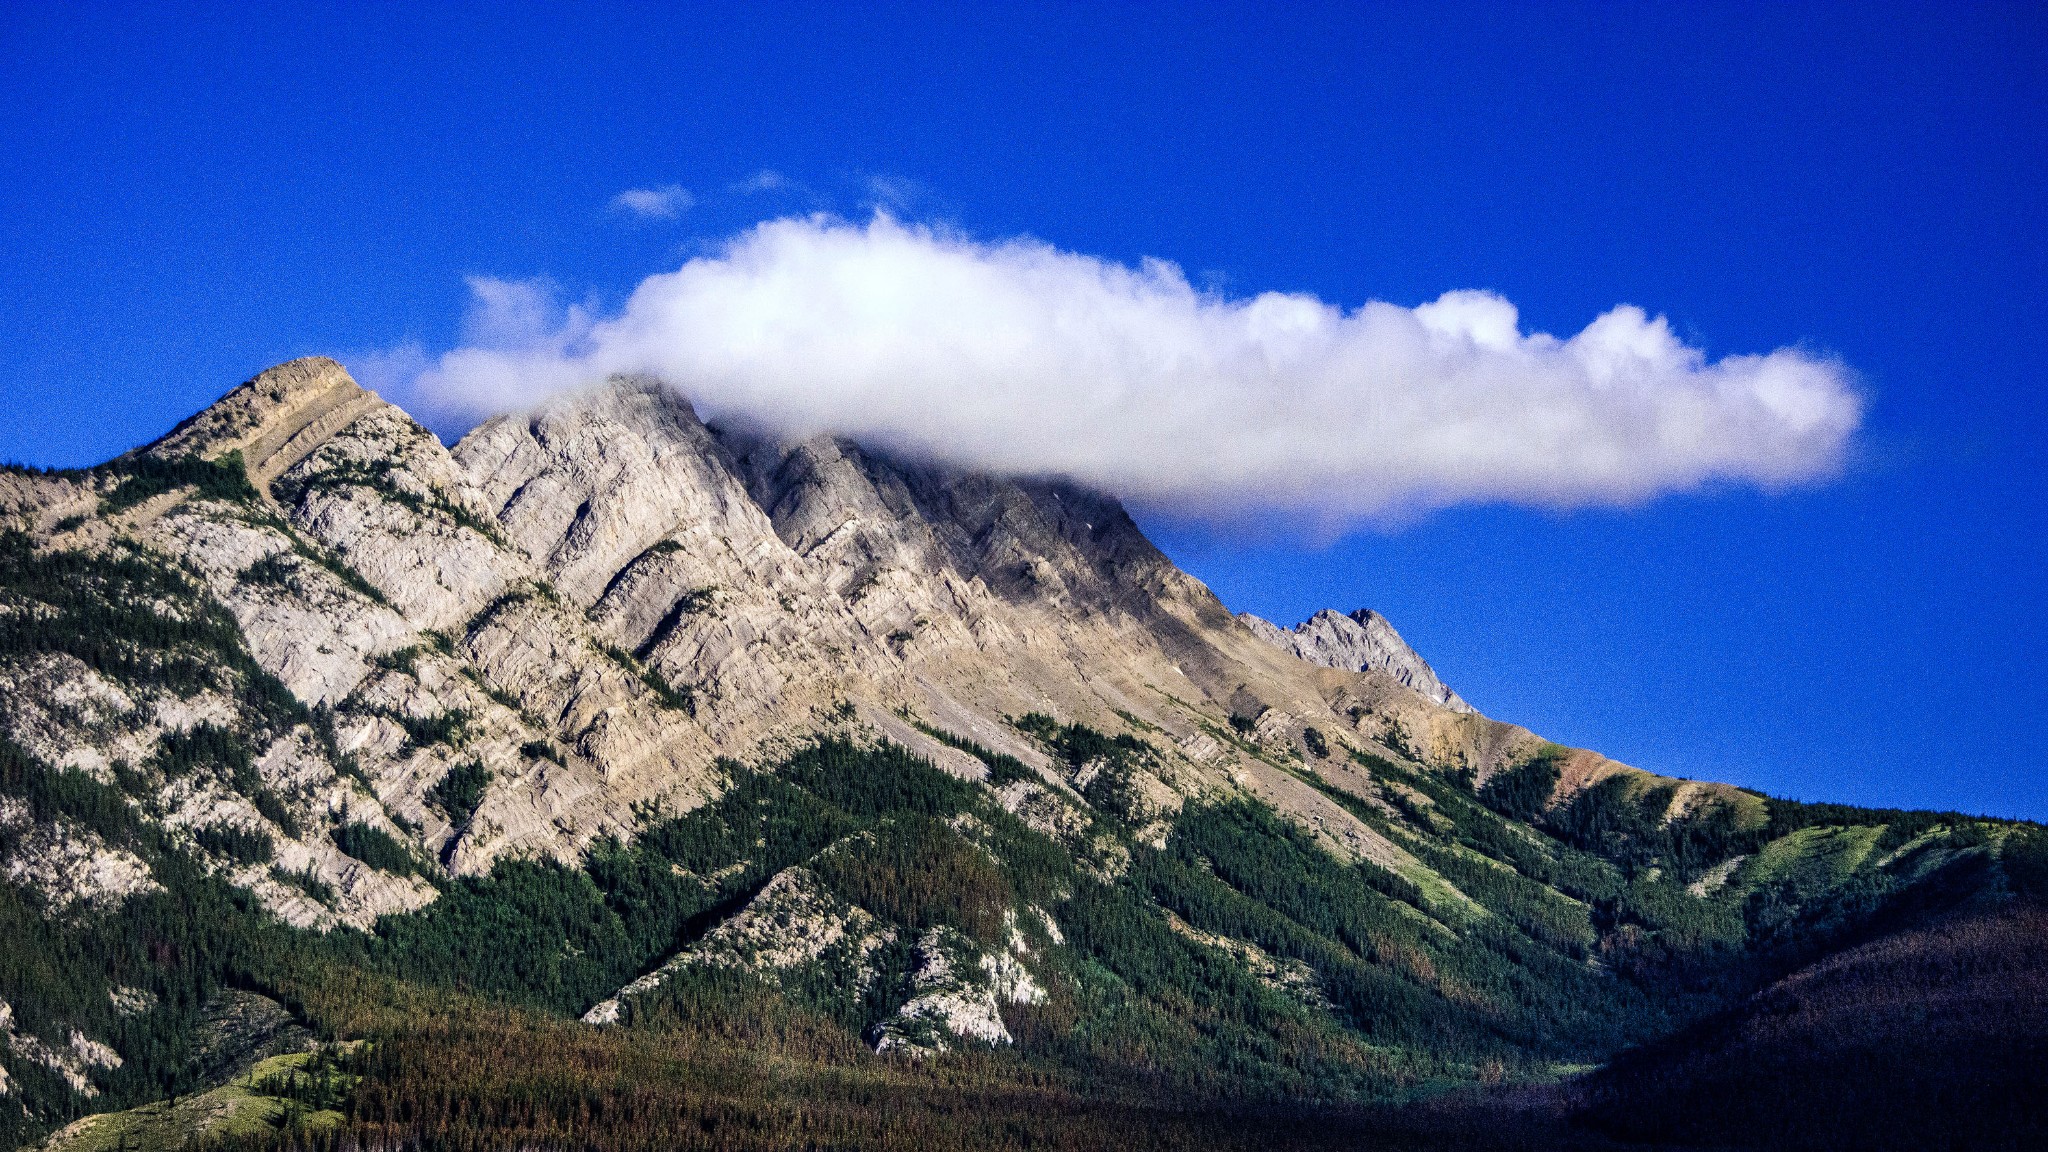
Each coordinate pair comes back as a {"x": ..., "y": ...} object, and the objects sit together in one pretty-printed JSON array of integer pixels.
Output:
[
  {"x": 794, "y": 924},
  {"x": 958, "y": 995}
]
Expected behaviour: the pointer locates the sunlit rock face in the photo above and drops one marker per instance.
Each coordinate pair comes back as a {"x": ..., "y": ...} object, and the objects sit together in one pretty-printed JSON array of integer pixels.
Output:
[
  {"x": 595, "y": 600},
  {"x": 1363, "y": 641}
]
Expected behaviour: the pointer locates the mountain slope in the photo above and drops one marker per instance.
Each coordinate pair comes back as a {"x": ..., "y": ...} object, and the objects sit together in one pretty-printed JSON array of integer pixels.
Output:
[{"x": 608, "y": 714}]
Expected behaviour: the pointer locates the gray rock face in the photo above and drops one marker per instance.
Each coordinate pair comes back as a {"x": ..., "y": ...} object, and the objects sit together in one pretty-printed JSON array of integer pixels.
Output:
[
  {"x": 1361, "y": 642},
  {"x": 958, "y": 994}
]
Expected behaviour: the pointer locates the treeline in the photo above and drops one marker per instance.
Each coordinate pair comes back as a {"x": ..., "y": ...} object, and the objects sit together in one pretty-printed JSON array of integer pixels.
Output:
[
  {"x": 140, "y": 621},
  {"x": 1132, "y": 1002},
  {"x": 136, "y": 619},
  {"x": 145, "y": 477}
]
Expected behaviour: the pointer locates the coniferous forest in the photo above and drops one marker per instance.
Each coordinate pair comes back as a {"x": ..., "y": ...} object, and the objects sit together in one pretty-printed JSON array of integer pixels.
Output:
[{"x": 456, "y": 1027}]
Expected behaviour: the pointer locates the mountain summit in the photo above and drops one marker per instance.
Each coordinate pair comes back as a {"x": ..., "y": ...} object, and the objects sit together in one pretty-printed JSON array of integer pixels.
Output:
[
  {"x": 325, "y": 743},
  {"x": 1362, "y": 641}
]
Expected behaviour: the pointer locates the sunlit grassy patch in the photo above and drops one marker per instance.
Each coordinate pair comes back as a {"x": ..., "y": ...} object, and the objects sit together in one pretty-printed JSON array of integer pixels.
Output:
[{"x": 273, "y": 1097}]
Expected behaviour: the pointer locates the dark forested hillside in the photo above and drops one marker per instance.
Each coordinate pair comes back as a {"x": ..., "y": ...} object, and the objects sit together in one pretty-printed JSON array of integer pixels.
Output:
[{"x": 1240, "y": 967}]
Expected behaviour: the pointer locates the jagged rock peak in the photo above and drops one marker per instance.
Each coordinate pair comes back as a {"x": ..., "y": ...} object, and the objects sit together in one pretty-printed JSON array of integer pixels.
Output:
[
  {"x": 274, "y": 420},
  {"x": 592, "y": 476},
  {"x": 1026, "y": 539},
  {"x": 1363, "y": 641}
]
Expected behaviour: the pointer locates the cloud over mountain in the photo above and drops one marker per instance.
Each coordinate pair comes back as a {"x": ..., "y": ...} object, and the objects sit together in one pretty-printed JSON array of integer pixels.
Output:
[{"x": 1021, "y": 358}]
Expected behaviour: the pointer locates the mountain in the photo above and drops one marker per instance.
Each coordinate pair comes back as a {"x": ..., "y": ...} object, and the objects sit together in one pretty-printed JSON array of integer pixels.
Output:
[
  {"x": 362, "y": 789},
  {"x": 1362, "y": 641}
]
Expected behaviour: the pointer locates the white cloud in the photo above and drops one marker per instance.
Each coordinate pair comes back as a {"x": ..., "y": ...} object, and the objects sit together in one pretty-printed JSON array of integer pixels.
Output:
[
  {"x": 895, "y": 193},
  {"x": 654, "y": 203},
  {"x": 1021, "y": 358},
  {"x": 766, "y": 180}
]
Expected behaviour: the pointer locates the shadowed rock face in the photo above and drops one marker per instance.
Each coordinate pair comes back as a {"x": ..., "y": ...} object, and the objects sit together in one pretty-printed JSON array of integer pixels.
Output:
[{"x": 1361, "y": 642}]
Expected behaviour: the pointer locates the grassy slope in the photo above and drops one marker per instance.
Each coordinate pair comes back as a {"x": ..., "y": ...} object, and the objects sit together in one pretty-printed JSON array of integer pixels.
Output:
[{"x": 267, "y": 1100}]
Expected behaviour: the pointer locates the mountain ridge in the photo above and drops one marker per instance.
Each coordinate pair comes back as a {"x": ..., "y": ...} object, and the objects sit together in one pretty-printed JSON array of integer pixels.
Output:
[{"x": 923, "y": 753}]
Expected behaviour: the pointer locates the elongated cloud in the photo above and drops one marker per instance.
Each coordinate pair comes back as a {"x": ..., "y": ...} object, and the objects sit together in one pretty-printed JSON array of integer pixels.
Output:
[
  {"x": 1021, "y": 358},
  {"x": 654, "y": 203}
]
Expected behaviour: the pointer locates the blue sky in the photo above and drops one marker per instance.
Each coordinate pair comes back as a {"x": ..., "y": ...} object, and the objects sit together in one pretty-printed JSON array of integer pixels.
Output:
[{"x": 187, "y": 197}]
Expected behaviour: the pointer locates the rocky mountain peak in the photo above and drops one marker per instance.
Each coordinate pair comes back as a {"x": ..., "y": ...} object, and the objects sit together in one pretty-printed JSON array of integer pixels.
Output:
[
  {"x": 528, "y": 642},
  {"x": 599, "y": 598},
  {"x": 274, "y": 420},
  {"x": 1363, "y": 641},
  {"x": 1023, "y": 539}
]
